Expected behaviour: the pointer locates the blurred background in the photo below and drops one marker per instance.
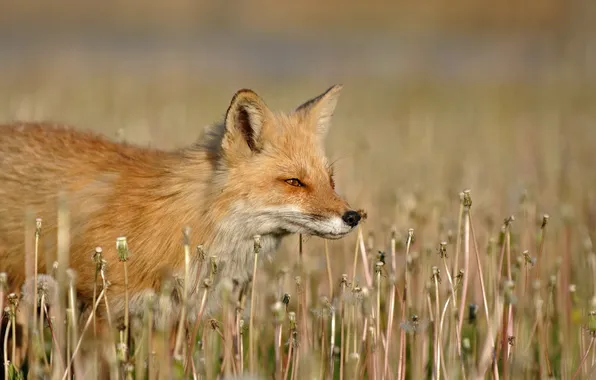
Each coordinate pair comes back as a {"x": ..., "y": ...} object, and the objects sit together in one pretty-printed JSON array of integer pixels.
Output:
[{"x": 495, "y": 96}]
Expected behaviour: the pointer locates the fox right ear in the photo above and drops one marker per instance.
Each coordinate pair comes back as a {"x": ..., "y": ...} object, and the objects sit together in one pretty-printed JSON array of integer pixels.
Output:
[
  {"x": 320, "y": 109},
  {"x": 244, "y": 122}
]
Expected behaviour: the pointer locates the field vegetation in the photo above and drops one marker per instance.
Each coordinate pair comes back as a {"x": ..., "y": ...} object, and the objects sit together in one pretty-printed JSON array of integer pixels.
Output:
[{"x": 476, "y": 259}]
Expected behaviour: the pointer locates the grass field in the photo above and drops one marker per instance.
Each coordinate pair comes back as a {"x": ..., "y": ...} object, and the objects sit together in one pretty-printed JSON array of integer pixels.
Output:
[{"x": 481, "y": 204}]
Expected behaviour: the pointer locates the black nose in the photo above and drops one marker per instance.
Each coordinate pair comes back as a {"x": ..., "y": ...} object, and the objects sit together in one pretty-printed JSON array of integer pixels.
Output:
[{"x": 351, "y": 218}]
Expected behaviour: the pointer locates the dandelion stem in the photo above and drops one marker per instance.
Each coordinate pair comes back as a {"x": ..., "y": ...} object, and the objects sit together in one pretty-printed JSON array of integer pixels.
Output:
[
  {"x": 466, "y": 275},
  {"x": 342, "y": 343},
  {"x": 122, "y": 247},
  {"x": 6, "y": 362},
  {"x": 332, "y": 344},
  {"x": 391, "y": 305},
  {"x": 584, "y": 357},
  {"x": 378, "y": 268},
  {"x": 435, "y": 276},
  {"x": 251, "y": 332},
  {"x": 329, "y": 275},
  {"x": 481, "y": 276},
  {"x": 182, "y": 322},
  {"x": 35, "y": 263}
]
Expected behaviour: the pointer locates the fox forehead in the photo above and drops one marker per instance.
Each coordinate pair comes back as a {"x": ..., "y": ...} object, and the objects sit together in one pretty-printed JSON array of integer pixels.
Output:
[
  {"x": 295, "y": 144},
  {"x": 290, "y": 129}
]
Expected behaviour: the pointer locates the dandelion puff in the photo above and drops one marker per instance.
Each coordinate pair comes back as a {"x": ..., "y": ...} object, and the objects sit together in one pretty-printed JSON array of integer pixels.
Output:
[{"x": 46, "y": 286}]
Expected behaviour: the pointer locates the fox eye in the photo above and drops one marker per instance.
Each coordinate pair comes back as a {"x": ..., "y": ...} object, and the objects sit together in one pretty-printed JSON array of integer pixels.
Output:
[{"x": 294, "y": 182}]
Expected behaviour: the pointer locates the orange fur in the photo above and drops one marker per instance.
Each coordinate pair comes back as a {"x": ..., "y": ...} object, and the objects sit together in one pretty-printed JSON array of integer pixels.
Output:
[{"x": 236, "y": 182}]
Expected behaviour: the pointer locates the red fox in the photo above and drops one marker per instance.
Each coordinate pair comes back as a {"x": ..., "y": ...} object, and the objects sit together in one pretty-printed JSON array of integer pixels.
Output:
[{"x": 257, "y": 173}]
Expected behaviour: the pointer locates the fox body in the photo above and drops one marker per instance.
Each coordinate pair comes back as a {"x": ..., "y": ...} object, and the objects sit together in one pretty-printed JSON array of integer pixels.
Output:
[{"x": 258, "y": 172}]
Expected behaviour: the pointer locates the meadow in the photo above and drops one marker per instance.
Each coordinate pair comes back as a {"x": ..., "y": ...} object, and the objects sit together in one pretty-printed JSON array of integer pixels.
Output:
[{"x": 476, "y": 259}]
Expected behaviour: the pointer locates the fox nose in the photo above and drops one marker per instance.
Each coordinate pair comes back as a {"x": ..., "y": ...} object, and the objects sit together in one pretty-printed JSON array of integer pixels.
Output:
[{"x": 351, "y": 218}]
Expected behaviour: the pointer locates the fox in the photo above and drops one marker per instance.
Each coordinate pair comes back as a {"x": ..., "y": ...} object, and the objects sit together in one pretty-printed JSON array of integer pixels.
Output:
[{"x": 256, "y": 172}]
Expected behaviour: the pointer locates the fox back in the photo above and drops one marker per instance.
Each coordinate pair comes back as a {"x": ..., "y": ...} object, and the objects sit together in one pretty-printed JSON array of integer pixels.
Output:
[{"x": 258, "y": 172}]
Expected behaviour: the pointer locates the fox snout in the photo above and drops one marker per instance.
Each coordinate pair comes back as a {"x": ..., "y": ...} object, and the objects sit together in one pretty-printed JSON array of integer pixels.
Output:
[
  {"x": 334, "y": 227},
  {"x": 351, "y": 218}
]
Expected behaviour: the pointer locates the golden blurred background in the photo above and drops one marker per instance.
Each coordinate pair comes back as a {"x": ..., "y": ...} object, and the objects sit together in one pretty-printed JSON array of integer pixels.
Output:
[{"x": 495, "y": 96}]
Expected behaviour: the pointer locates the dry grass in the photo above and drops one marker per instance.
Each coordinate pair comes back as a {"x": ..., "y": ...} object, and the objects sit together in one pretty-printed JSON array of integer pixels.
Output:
[{"x": 375, "y": 304}]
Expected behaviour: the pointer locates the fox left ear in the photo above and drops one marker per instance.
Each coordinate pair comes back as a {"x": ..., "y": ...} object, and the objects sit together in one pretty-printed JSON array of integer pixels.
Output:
[
  {"x": 244, "y": 122},
  {"x": 320, "y": 109}
]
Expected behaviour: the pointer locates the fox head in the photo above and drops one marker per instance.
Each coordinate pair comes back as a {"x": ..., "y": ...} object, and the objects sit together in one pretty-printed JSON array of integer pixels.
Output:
[{"x": 275, "y": 177}]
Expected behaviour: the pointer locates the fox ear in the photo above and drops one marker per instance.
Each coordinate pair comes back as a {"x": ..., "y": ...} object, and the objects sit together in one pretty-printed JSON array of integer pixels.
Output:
[
  {"x": 320, "y": 109},
  {"x": 244, "y": 122}
]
